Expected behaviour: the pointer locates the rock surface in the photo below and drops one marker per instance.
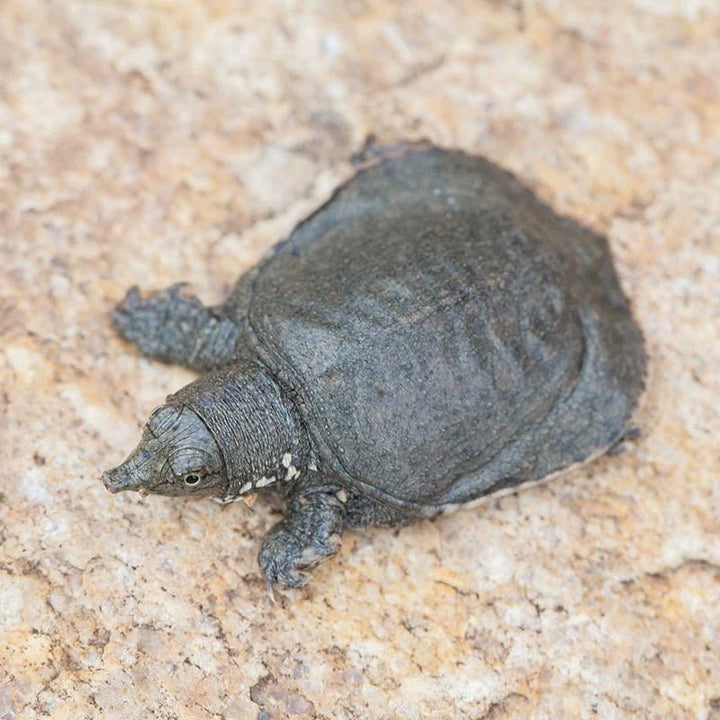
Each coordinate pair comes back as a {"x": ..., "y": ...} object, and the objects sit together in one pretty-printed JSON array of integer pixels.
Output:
[{"x": 149, "y": 141}]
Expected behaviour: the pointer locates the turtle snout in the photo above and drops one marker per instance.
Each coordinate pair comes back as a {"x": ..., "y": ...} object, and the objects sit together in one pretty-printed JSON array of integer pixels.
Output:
[{"x": 119, "y": 479}]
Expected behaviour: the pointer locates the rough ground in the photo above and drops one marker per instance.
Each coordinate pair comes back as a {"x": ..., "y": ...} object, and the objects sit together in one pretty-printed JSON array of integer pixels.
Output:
[{"x": 148, "y": 141}]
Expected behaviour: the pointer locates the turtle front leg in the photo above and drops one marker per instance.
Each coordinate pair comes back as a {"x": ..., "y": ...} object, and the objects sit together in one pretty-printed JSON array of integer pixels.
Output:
[
  {"x": 175, "y": 327},
  {"x": 309, "y": 533}
]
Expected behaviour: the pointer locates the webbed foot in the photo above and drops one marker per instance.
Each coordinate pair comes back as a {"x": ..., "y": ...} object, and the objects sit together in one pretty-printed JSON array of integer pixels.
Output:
[
  {"x": 284, "y": 556},
  {"x": 308, "y": 535},
  {"x": 176, "y": 327}
]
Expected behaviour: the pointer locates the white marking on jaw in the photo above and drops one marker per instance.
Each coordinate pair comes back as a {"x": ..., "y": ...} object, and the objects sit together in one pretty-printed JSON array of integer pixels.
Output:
[
  {"x": 265, "y": 481},
  {"x": 227, "y": 499},
  {"x": 286, "y": 460},
  {"x": 246, "y": 487},
  {"x": 292, "y": 473},
  {"x": 341, "y": 495}
]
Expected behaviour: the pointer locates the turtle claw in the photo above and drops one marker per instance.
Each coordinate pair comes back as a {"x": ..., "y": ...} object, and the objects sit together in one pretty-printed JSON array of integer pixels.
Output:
[
  {"x": 280, "y": 559},
  {"x": 284, "y": 556},
  {"x": 131, "y": 301}
]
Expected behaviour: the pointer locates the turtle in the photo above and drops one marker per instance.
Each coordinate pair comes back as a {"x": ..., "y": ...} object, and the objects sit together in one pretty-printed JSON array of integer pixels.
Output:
[{"x": 432, "y": 335}]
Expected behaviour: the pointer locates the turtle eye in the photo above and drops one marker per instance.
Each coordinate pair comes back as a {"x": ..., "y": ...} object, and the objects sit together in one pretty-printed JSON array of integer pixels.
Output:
[{"x": 192, "y": 479}]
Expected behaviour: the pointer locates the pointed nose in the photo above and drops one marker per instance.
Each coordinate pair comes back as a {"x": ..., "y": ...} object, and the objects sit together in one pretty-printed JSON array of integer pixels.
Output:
[{"x": 119, "y": 479}]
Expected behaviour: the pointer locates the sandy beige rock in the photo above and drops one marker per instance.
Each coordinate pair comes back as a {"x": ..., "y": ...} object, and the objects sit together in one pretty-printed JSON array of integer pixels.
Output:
[{"x": 149, "y": 141}]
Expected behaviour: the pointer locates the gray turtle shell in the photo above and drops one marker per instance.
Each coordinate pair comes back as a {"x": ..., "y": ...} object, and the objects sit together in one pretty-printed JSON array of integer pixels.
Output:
[{"x": 445, "y": 333}]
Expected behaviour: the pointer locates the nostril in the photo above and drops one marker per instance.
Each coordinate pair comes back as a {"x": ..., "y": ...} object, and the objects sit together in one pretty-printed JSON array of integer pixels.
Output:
[
  {"x": 108, "y": 480},
  {"x": 117, "y": 480}
]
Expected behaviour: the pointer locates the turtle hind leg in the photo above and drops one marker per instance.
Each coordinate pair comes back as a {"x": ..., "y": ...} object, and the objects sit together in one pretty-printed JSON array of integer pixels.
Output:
[{"x": 177, "y": 328}]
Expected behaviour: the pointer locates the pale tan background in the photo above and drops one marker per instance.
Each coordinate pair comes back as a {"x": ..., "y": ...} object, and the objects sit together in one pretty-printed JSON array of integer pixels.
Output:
[{"x": 152, "y": 141}]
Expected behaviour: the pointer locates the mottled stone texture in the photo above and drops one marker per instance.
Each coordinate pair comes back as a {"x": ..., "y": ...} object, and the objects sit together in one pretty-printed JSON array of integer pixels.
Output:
[{"x": 148, "y": 141}]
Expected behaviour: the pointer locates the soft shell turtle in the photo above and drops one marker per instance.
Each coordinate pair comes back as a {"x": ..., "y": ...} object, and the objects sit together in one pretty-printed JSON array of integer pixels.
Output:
[{"x": 432, "y": 334}]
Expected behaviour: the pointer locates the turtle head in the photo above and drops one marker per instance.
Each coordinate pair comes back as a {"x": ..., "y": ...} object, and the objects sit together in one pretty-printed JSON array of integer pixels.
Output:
[
  {"x": 177, "y": 455},
  {"x": 223, "y": 436}
]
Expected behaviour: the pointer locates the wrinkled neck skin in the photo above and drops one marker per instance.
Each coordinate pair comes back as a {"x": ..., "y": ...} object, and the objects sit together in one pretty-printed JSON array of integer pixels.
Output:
[{"x": 257, "y": 428}]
